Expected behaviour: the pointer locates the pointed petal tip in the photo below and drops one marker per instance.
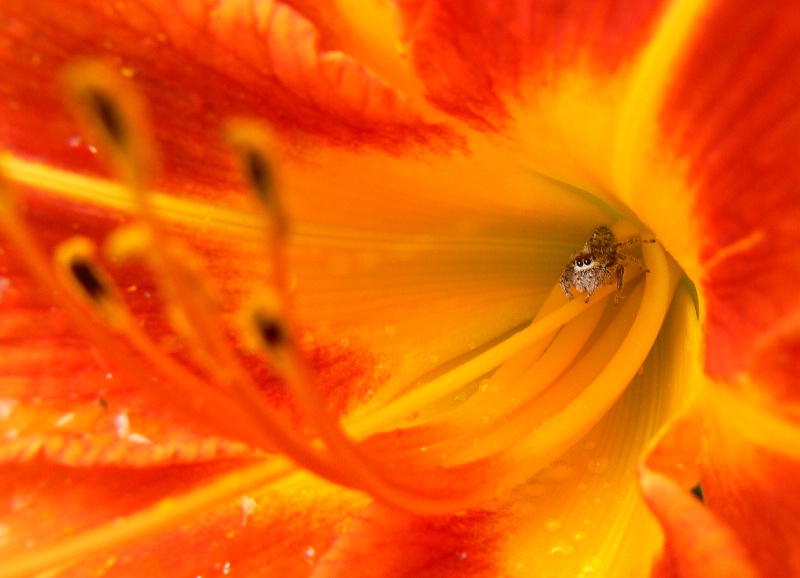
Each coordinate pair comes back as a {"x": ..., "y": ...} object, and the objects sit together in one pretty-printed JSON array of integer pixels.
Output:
[{"x": 696, "y": 544}]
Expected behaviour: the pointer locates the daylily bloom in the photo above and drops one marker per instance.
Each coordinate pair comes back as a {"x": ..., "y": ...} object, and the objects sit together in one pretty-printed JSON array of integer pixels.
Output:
[{"x": 350, "y": 353}]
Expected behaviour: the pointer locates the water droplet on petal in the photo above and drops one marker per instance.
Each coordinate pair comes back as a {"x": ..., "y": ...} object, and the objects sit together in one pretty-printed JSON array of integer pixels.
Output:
[
  {"x": 552, "y": 525},
  {"x": 562, "y": 549},
  {"x": 597, "y": 466}
]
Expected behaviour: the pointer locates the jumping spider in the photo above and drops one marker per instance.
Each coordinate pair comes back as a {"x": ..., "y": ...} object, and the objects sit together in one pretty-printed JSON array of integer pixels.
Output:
[{"x": 598, "y": 263}]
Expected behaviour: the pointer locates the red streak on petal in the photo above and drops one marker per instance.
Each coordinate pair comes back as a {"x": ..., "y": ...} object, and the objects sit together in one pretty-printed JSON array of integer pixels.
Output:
[
  {"x": 45, "y": 502},
  {"x": 283, "y": 535},
  {"x": 754, "y": 490},
  {"x": 383, "y": 542},
  {"x": 473, "y": 56},
  {"x": 734, "y": 114},
  {"x": 197, "y": 68}
]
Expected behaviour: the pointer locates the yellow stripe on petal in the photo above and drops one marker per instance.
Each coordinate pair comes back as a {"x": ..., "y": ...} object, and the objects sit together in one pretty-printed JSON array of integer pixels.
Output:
[{"x": 647, "y": 180}]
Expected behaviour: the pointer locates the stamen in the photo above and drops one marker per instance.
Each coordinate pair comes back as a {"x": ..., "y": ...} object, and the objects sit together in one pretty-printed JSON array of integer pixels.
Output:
[
  {"x": 75, "y": 260},
  {"x": 85, "y": 276},
  {"x": 252, "y": 143},
  {"x": 105, "y": 110},
  {"x": 114, "y": 115}
]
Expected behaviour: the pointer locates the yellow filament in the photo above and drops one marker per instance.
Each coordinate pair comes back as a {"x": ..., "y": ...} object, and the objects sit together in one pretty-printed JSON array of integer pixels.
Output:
[
  {"x": 114, "y": 115},
  {"x": 399, "y": 410},
  {"x": 561, "y": 392}
]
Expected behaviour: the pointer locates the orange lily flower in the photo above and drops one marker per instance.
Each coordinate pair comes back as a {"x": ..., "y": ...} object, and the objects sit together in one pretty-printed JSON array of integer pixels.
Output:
[{"x": 366, "y": 364}]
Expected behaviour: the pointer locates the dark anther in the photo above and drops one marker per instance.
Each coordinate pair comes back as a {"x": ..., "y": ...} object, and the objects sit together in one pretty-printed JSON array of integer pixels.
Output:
[
  {"x": 107, "y": 112},
  {"x": 272, "y": 331},
  {"x": 83, "y": 274},
  {"x": 259, "y": 173}
]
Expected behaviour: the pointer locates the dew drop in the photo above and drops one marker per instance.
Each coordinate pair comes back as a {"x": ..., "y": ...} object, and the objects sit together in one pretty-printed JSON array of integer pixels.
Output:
[
  {"x": 597, "y": 466},
  {"x": 590, "y": 567},
  {"x": 249, "y": 506},
  {"x": 579, "y": 536},
  {"x": 391, "y": 330},
  {"x": 65, "y": 419},
  {"x": 461, "y": 555},
  {"x": 562, "y": 549},
  {"x": 310, "y": 552},
  {"x": 6, "y": 407},
  {"x": 552, "y": 525},
  {"x": 345, "y": 342},
  {"x": 122, "y": 425}
]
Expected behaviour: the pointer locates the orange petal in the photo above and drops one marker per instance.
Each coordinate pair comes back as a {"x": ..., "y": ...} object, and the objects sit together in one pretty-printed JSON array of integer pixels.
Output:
[
  {"x": 196, "y": 69},
  {"x": 697, "y": 543},
  {"x": 675, "y": 452},
  {"x": 751, "y": 473},
  {"x": 732, "y": 114},
  {"x": 474, "y": 58},
  {"x": 279, "y": 530},
  {"x": 383, "y": 542}
]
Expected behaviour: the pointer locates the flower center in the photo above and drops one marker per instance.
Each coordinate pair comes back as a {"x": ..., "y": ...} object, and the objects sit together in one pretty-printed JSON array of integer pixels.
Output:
[{"x": 459, "y": 439}]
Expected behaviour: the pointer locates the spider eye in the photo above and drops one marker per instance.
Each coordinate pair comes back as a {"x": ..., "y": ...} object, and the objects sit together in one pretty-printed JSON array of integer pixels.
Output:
[{"x": 587, "y": 261}]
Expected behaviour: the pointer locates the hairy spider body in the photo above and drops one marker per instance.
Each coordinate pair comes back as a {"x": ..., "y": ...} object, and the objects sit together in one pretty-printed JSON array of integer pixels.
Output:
[{"x": 599, "y": 263}]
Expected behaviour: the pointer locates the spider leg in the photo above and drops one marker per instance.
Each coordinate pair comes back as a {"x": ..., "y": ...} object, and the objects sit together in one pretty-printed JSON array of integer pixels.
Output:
[
  {"x": 565, "y": 283},
  {"x": 634, "y": 241},
  {"x": 641, "y": 265},
  {"x": 620, "y": 273}
]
